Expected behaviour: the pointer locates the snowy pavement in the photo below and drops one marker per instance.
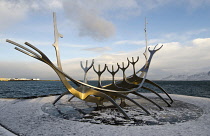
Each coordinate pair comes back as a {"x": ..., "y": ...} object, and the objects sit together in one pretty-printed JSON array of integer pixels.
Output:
[
  {"x": 5, "y": 132},
  {"x": 26, "y": 117}
]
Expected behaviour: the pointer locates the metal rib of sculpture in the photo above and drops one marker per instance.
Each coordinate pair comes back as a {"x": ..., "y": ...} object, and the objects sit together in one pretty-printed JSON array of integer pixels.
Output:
[
  {"x": 99, "y": 94},
  {"x": 99, "y": 73}
]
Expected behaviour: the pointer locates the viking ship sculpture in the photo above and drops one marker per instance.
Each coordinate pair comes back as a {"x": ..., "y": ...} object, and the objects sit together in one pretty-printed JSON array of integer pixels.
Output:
[{"x": 100, "y": 94}]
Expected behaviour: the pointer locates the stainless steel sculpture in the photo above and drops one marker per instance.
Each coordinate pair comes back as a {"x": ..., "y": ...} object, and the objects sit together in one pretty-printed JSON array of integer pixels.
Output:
[{"x": 100, "y": 94}]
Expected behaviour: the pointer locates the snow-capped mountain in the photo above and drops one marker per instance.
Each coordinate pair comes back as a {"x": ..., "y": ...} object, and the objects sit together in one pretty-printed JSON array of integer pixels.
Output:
[{"x": 194, "y": 77}]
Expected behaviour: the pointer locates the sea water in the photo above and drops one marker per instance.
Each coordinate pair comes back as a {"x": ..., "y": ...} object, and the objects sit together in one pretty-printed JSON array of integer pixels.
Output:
[{"x": 17, "y": 89}]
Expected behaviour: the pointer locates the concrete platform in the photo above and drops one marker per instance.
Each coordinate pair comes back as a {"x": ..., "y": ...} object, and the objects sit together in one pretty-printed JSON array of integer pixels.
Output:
[{"x": 31, "y": 117}]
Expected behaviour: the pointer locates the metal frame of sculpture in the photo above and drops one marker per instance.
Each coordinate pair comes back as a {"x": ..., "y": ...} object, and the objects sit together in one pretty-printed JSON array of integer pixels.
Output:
[{"x": 100, "y": 94}]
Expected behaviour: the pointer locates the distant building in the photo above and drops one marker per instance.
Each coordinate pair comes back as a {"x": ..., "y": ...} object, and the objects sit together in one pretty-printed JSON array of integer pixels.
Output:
[
  {"x": 35, "y": 79},
  {"x": 18, "y": 79},
  {"x": 4, "y": 79}
]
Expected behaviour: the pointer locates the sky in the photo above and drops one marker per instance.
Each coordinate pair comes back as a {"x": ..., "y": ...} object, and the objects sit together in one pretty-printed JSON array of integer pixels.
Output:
[{"x": 107, "y": 31}]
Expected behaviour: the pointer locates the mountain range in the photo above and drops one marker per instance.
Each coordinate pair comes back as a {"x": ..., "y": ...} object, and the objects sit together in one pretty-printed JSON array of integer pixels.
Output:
[{"x": 194, "y": 77}]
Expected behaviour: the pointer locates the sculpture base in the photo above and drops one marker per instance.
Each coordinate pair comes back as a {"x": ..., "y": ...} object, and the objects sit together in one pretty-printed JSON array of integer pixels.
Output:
[
  {"x": 109, "y": 115},
  {"x": 187, "y": 116}
]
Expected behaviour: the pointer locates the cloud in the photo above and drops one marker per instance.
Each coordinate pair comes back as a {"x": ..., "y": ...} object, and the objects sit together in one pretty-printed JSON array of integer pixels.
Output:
[
  {"x": 43, "y": 43},
  {"x": 98, "y": 49},
  {"x": 91, "y": 18},
  {"x": 194, "y": 4},
  {"x": 184, "y": 36},
  {"x": 36, "y": 43},
  {"x": 140, "y": 42},
  {"x": 14, "y": 11},
  {"x": 88, "y": 20},
  {"x": 33, "y": 69},
  {"x": 174, "y": 58},
  {"x": 129, "y": 42},
  {"x": 187, "y": 4},
  {"x": 10, "y": 13}
]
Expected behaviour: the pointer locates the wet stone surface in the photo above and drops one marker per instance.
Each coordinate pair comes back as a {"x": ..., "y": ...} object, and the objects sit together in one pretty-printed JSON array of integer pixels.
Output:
[{"x": 109, "y": 115}]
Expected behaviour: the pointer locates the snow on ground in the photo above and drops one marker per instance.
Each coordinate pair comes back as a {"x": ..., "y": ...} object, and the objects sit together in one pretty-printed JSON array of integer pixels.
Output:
[
  {"x": 5, "y": 132},
  {"x": 27, "y": 118}
]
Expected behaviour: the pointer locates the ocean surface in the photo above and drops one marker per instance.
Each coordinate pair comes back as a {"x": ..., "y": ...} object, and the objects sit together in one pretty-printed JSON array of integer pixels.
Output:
[{"x": 17, "y": 89}]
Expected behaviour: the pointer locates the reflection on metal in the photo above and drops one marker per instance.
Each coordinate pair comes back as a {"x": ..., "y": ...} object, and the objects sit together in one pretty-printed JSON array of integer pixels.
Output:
[
  {"x": 100, "y": 94},
  {"x": 86, "y": 69},
  {"x": 99, "y": 73}
]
